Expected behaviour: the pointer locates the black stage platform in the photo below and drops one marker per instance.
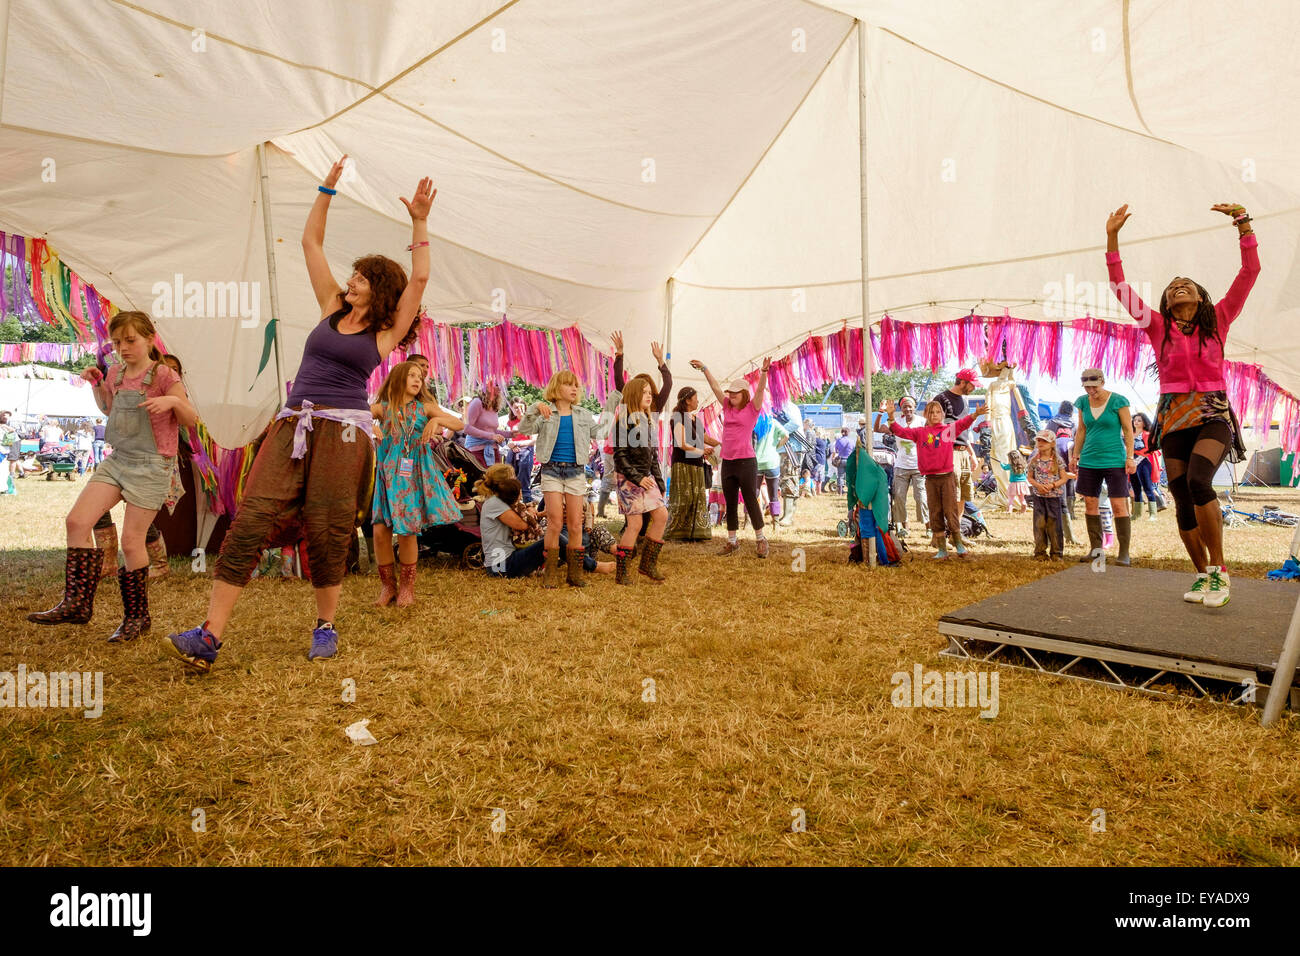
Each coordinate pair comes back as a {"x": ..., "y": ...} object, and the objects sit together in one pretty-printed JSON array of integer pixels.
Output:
[{"x": 1130, "y": 628}]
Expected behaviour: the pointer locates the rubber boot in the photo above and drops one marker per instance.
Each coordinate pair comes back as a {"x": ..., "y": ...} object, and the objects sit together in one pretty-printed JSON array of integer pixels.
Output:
[
  {"x": 577, "y": 578},
  {"x": 135, "y": 605},
  {"x": 11, "y": 490},
  {"x": 1123, "y": 531},
  {"x": 1151, "y": 511},
  {"x": 406, "y": 584},
  {"x": 80, "y": 579},
  {"x": 1066, "y": 529},
  {"x": 157, "y": 548},
  {"x": 387, "y": 585},
  {"x": 106, "y": 541},
  {"x": 604, "y": 500},
  {"x": 623, "y": 566},
  {"x": 553, "y": 574},
  {"x": 650, "y": 560},
  {"x": 1094, "y": 537},
  {"x": 1069, "y": 506}
]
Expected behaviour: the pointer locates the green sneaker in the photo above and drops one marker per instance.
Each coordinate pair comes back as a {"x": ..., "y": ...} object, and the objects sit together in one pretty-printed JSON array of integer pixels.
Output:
[
  {"x": 1216, "y": 592},
  {"x": 1197, "y": 594}
]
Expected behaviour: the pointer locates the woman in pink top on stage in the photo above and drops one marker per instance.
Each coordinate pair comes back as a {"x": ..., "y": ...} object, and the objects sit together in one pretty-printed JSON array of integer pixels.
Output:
[{"x": 1195, "y": 427}]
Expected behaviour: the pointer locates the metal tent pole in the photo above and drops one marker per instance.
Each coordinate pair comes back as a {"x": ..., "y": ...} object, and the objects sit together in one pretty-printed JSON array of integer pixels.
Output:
[
  {"x": 866, "y": 309},
  {"x": 264, "y": 177},
  {"x": 1280, "y": 688}
]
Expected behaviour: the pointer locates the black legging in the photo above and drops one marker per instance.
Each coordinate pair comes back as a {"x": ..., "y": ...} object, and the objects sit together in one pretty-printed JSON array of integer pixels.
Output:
[
  {"x": 1192, "y": 456},
  {"x": 740, "y": 478}
]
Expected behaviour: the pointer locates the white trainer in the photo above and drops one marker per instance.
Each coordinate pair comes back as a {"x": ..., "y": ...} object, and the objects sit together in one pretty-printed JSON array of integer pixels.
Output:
[
  {"x": 1197, "y": 594},
  {"x": 1216, "y": 592}
]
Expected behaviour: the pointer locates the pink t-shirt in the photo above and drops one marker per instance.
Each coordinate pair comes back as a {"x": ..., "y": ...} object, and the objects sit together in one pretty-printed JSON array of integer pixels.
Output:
[
  {"x": 165, "y": 426},
  {"x": 738, "y": 432}
]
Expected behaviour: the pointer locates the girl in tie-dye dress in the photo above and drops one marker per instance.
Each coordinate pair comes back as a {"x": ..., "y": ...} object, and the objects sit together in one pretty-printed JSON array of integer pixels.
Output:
[{"x": 410, "y": 493}]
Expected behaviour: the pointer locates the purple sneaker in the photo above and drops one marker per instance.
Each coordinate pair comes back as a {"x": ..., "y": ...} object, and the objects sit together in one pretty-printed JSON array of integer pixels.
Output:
[
  {"x": 196, "y": 647},
  {"x": 324, "y": 643}
]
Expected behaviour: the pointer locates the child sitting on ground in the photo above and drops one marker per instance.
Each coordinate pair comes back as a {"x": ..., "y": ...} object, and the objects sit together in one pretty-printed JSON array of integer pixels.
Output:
[
  {"x": 934, "y": 441},
  {"x": 1048, "y": 477}
]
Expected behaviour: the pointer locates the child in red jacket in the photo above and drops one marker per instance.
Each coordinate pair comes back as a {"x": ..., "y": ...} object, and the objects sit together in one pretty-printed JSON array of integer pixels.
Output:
[{"x": 934, "y": 441}]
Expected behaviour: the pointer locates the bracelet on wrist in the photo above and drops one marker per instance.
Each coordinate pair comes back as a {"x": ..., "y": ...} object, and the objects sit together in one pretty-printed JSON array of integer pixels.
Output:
[
  {"x": 327, "y": 191},
  {"x": 415, "y": 245}
]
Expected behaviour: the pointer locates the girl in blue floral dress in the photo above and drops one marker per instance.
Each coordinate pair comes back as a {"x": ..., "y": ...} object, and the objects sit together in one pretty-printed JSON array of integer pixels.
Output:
[{"x": 410, "y": 493}]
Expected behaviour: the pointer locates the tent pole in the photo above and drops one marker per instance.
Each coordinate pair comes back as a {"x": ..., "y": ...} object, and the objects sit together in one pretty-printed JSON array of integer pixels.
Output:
[
  {"x": 866, "y": 309},
  {"x": 668, "y": 325},
  {"x": 264, "y": 178},
  {"x": 1280, "y": 688}
]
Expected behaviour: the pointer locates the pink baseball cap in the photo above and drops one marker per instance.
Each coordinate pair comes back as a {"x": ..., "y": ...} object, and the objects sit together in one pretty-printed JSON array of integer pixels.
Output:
[{"x": 968, "y": 375}]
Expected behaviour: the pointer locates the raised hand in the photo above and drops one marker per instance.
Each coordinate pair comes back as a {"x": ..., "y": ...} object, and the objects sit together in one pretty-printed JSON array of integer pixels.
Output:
[
  {"x": 617, "y": 339},
  {"x": 767, "y": 364},
  {"x": 1230, "y": 209},
  {"x": 887, "y": 406},
  {"x": 419, "y": 206},
  {"x": 657, "y": 351},
  {"x": 697, "y": 365},
  {"x": 1117, "y": 219},
  {"x": 332, "y": 177}
]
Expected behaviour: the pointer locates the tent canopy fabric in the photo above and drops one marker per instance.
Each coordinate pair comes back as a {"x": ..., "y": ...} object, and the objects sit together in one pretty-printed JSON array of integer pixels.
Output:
[
  {"x": 30, "y": 391},
  {"x": 585, "y": 153}
]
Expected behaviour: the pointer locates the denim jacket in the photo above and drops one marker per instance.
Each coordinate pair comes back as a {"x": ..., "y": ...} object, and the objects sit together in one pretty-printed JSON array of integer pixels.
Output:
[{"x": 548, "y": 429}]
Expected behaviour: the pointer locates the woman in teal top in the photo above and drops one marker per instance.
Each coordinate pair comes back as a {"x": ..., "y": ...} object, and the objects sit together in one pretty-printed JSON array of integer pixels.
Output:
[{"x": 1103, "y": 454}]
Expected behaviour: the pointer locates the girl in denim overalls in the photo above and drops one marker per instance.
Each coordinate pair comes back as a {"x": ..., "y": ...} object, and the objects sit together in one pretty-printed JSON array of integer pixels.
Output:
[{"x": 144, "y": 419}]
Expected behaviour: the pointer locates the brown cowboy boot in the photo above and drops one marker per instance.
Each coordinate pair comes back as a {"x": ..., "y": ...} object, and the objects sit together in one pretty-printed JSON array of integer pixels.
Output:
[
  {"x": 650, "y": 560},
  {"x": 553, "y": 574},
  {"x": 576, "y": 572},
  {"x": 158, "y": 567},
  {"x": 406, "y": 585},
  {"x": 135, "y": 605},
  {"x": 106, "y": 541},
  {"x": 387, "y": 585},
  {"x": 80, "y": 579}
]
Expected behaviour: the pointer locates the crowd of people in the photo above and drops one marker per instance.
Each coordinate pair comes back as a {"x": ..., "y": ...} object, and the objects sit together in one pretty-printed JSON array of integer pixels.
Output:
[
  {"x": 79, "y": 441},
  {"x": 314, "y": 471}
]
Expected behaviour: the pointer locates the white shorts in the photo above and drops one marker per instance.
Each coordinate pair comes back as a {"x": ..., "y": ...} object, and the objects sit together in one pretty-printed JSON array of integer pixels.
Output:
[{"x": 564, "y": 479}]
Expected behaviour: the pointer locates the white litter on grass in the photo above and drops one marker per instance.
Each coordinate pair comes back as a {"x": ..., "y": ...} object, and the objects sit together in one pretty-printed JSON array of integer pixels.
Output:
[{"x": 358, "y": 734}]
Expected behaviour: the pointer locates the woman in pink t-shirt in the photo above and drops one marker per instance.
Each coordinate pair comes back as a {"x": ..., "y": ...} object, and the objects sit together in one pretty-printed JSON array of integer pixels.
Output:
[
  {"x": 1195, "y": 427},
  {"x": 739, "y": 465}
]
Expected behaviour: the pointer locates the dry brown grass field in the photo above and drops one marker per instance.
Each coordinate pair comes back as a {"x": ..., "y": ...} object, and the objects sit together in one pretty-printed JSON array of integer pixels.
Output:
[{"x": 772, "y": 694}]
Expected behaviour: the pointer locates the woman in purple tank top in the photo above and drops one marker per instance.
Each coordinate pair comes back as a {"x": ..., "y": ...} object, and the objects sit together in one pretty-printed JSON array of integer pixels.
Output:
[{"x": 314, "y": 463}]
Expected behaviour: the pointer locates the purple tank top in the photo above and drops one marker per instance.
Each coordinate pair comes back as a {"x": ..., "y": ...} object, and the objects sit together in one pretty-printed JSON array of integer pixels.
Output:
[{"x": 335, "y": 367}]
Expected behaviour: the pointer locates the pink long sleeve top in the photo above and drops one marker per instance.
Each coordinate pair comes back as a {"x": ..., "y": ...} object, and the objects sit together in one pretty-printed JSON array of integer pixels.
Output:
[
  {"x": 482, "y": 422},
  {"x": 1187, "y": 366},
  {"x": 934, "y": 443}
]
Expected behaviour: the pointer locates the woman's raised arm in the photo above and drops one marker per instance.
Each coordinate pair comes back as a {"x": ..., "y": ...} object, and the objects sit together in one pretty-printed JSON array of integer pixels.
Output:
[{"x": 328, "y": 293}]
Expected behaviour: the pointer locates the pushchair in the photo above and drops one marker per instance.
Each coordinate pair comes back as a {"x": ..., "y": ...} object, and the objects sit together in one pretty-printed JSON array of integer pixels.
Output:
[
  {"x": 464, "y": 538},
  {"x": 58, "y": 460}
]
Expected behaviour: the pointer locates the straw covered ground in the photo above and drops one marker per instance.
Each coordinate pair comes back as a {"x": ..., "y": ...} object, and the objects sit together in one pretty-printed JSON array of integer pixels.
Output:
[{"x": 502, "y": 702}]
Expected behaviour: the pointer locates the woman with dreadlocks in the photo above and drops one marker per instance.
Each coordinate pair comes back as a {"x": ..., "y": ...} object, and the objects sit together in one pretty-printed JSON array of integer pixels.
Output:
[{"x": 1195, "y": 427}]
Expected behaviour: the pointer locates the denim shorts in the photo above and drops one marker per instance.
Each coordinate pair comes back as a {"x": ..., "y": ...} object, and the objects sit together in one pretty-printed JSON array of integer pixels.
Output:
[
  {"x": 143, "y": 480},
  {"x": 568, "y": 479}
]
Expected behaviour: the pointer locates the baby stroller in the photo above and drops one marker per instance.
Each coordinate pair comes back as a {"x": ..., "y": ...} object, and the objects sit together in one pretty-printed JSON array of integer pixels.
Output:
[
  {"x": 464, "y": 538},
  {"x": 58, "y": 460}
]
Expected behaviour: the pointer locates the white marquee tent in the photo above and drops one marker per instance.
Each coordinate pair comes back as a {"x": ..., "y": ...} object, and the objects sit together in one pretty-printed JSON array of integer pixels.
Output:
[
  {"x": 30, "y": 391},
  {"x": 588, "y": 152}
]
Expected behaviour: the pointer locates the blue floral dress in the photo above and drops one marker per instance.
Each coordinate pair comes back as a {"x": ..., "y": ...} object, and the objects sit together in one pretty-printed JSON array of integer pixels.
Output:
[{"x": 410, "y": 498}]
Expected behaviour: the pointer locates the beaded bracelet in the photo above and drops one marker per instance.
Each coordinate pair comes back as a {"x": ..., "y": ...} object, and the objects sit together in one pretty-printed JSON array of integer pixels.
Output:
[
  {"x": 1238, "y": 220},
  {"x": 327, "y": 191}
]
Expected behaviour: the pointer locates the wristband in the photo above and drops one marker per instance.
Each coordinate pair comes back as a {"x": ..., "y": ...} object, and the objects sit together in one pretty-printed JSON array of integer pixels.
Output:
[
  {"x": 415, "y": 245},
  {"x": 327, "y": 191}
]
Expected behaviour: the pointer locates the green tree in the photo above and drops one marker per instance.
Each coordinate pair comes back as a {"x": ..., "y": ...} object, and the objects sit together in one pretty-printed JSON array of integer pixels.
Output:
[{"x": 919, "y": 383}]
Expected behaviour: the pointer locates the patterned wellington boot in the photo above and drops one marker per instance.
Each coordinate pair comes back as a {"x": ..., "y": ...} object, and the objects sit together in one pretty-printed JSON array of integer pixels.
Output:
[
  {"x": 135, "y": 605},
  {"x": 387, "y": 585},
  {"x": 81, "y": 578},
  {"x": 406, "y": 585},
  {"x": 158, "y": 567},
  {"x": 623, "y": 566},
  {"x": 577, "y": 576},
  {"x": 650, "y": 560}
]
